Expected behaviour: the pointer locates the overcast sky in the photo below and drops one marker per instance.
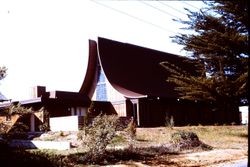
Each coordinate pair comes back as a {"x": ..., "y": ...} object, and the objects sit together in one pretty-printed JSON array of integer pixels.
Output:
[{"x": 45, "y": 42}]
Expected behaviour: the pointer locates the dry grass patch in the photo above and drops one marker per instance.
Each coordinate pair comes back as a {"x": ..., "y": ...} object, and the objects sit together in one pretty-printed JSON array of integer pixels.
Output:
[{"x": 219, "y": 137}]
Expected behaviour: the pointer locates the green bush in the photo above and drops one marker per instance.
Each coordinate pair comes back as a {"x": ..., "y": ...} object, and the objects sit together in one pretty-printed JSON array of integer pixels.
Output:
[{"x": 98, "y": 135}]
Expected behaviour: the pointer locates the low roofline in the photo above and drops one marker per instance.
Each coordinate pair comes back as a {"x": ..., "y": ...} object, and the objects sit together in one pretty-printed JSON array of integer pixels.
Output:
[
  {"x": 53, "y": 97},
  {"x": 29, "y": 101}
]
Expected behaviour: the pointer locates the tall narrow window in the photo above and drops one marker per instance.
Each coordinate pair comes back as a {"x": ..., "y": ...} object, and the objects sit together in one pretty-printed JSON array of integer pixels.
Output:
[{"x": 101, "y": 91}]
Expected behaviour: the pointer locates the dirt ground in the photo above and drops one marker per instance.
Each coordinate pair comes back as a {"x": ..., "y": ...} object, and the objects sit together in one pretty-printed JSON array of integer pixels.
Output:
[
  {"x": 230, "y": 144},
  {"x": 207, "y": 158},
  {"x": 227, "y": 149},
  {"x": 213, "y": 158}
]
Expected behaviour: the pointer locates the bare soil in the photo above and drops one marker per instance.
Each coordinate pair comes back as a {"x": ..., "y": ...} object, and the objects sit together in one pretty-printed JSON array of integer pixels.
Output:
[
  {"x": 213, "y": 158},
  {"x": 229, "y": 143}
]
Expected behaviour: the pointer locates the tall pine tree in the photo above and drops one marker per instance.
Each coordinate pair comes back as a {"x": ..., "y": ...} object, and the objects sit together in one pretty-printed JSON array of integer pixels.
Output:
[{"x": 219, "y": 49}]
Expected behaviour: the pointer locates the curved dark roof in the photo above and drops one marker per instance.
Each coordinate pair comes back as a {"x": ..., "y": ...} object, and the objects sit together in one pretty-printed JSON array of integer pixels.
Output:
[
  {"x": 132, "y": 70},
  {"x": 90, "y": 81},
  {"x": 135, "y": 70}
]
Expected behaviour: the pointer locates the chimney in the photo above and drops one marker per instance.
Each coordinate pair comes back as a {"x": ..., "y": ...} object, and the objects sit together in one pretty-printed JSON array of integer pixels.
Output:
[{"x": 38, "y": 91}]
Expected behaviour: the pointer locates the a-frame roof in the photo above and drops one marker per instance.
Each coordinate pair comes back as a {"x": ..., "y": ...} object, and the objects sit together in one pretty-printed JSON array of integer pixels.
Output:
[{"x": 132, "y": 70}]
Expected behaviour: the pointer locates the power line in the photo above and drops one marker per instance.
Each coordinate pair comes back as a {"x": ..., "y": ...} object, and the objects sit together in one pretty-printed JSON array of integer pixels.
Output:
[
  {"x": 190, "y": 5},
  {"x": 158, "y": 9},
  {"x": 134, "y": 17},
  {"x": 159, "y": 1}
]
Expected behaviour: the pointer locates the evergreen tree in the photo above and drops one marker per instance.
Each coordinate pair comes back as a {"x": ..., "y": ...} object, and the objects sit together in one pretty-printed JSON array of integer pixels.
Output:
[
  {"x": 219, "y": 49},
  {"x": 2, "y": 72}
]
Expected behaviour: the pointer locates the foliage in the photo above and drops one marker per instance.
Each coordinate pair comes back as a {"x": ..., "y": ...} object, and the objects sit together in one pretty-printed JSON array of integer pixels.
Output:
[
  {"x": 98, "y": 135},
  {"x": 19, "y": 157},
  {"x": 118, "y": 139},
  {"x": 169, "y": 121},
  {"x": 187, "y": 140},
  {"x": 131, "y": 129},
  {"x": 227, "y": 137},
  {"x": 219, "y": 50},
  {"x": 17, "y": 109},
  {"x": 44, "y": 127},
  {"x": 6, "y": 126},
  {"x": 18, "y": 131},
  {"x": 19, "y": 127},
  {"x": 3, "y": 72},
  {"x": 178, "y": 137}
]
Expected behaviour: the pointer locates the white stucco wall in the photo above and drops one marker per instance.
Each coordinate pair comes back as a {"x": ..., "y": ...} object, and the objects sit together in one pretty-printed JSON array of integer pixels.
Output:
[
  {"x": 244, "y": 114},
  {"x": 67, "y": 123}
]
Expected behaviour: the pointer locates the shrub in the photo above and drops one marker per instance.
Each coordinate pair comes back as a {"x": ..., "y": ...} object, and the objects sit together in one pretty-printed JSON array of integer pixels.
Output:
[
  {"x": 118, "y": 139},
  {"x": 19, "y": 157},
  {"x": 44, "y": 127},
  {"x": 178, "y": 137},
  {"x": 4, "y": 127},
  {"x": 131, "y": 129},
  {"x": 22, "y": 112},
  {"x": 187, "y": 140},
  {"x": 98, "y": 135},
  {"x": 169, "y": 122},
  {"x": 18, "y": 131}
]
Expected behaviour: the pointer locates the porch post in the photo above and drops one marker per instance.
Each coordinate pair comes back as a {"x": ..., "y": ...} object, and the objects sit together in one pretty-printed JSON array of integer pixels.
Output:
[
  {"x": 32, "y": 123},
  {"x": 138, "y": 113}
]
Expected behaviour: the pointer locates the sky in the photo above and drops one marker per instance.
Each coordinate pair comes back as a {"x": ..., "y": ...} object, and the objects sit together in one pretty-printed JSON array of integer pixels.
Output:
[{"x": 45, "y": 42}]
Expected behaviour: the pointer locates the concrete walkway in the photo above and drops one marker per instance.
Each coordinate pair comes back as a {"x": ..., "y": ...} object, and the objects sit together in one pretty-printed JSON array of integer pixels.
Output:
[{"x": 239, "y": 163}]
